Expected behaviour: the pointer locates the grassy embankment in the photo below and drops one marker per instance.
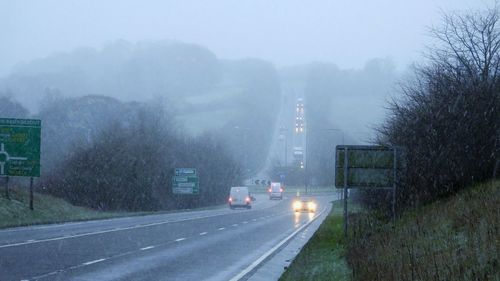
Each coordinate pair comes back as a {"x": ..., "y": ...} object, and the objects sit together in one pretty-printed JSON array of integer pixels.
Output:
[
  {"x": 47, "y": 209},
  {"x": 452, "y": 239},
  {"x": 323, "y": 257}
]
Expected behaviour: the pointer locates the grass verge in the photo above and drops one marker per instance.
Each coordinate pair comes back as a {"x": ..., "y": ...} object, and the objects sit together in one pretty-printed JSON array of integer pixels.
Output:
[
  {"x": 323, "y": 257},
  {"x": 452, "y": 239},
  {"x": 47, "y": 209}
]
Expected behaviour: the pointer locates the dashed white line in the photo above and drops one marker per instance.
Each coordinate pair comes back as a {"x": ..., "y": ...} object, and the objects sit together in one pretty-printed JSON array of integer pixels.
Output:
[
  {"x": 222, "y": 228},
  {"x": 107, "y": 231},
  {"x": 92, "y": 262},
  {"x": 235, "y": 224},
  {"x": 203, "y": 233},
  {"x": 180, "y": 239},
  {"x": 147, "y": 248},
  {"x": 254, "y": 219},
  {"x": 245, "y": 222}
]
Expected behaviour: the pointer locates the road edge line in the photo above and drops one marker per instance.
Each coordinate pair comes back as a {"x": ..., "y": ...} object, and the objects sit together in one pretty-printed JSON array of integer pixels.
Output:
[{"x": 262, "y": 258}]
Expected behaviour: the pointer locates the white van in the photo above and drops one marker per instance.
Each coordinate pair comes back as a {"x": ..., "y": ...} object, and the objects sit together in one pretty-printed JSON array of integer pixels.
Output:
[
  {"x": 275, "y": 190},
  {"x": 239, "y": 196}
]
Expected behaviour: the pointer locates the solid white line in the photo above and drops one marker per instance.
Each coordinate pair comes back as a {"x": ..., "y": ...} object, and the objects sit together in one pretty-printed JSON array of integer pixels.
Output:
[
  {"x": 92, "y": 262},
  {"x": 274, "y": 249},
  {"x": 222, "y": 228},
  {"x": 147, "y": 248},
  {"x": 203, "y": 233},
  {"x": 180, "y": 239}
]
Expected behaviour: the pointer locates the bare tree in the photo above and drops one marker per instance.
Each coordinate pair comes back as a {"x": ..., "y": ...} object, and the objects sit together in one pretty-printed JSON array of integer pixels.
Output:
[{"x": 448, "y": 118}]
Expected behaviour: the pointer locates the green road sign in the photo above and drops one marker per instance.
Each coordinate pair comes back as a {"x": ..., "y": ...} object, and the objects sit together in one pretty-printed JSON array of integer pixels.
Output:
[
  {"x": 20, "y": 147},
  {"x": 185, "y": 181},
  {"x": 367, "y": 166},
  {"x": 185, "y": 171}
]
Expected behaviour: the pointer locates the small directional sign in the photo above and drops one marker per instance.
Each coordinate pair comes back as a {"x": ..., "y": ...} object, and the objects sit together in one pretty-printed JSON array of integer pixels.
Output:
[
  {"x": 185, "y": 181},
  {"x": 185, "y": 171},
  {"x": 20, "y": 147}
]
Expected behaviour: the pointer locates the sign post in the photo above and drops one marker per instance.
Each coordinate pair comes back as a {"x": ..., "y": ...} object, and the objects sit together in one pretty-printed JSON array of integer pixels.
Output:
[
  {"x": 20, "y": 150},
  {"x": 185, "y": 181},
  {"x": 346, "y": 176},
  {"x": 372, "y": 167}
]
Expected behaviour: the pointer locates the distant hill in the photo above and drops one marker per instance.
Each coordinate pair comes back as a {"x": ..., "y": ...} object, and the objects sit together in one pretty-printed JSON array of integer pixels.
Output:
[{"x": 234, "y": 98}]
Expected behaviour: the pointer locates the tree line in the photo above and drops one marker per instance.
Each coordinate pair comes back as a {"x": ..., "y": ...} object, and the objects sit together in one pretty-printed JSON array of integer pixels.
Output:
[
  {"x": 105, "y": 154},
  {"x": 447, "y": 120}
]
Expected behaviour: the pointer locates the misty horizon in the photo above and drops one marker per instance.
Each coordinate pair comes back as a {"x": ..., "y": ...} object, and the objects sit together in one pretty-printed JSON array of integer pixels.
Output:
[{"x": 284, "y": 32}]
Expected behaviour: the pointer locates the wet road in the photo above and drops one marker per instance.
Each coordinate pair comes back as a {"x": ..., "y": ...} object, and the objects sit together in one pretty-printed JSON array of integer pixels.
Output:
[{"x": 219, "y": 244}]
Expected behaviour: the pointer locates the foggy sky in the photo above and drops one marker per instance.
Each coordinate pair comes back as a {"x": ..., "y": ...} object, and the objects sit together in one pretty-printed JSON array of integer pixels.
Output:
[{"x": 286, "y": 32}]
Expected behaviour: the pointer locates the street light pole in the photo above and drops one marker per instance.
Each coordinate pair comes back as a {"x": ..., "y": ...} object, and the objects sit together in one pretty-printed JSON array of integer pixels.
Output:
[
  {"x": 245, "y": 148},
  {"x": 306, "y": 164},
  {"x": 284, "y": 132}
]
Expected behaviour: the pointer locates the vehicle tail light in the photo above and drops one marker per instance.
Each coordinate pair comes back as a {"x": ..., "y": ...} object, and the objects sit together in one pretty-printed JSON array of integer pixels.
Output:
[
  {"x": 230, "y": 199},
  {"x": 281, "y": 189},
  {"x": 269, "y": 190},
  {"x": 247, "y": 199}
]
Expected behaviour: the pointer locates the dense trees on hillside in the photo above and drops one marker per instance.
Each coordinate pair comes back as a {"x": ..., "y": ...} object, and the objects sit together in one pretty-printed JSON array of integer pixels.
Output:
[
  {"x": 448, "y": 121},
  {"x": 129, "y": 161},
  {"x": 10, "y": 108}
]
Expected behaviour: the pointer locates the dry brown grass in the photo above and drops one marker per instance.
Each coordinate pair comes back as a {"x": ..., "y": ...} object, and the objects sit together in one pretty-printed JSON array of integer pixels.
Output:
[{"x": 453, "y": 239}]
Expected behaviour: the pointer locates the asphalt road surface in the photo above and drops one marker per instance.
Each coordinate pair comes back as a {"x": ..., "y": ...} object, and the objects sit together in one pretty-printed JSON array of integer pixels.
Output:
[{"x": 218, "y": 244}]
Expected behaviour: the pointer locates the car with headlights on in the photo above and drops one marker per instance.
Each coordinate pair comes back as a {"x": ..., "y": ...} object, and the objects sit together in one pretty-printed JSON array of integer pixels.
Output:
[{"x": 304, "y": 204}]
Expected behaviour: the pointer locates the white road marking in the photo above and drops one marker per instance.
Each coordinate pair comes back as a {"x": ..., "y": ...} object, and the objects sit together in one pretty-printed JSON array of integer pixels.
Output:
[
  {"x": 222, "y": 228},
  {"x": 235, "y": 225},
  {"x": 147, "y": 248},
  {"x": 180, "y": 239},
  {"x": 245, "y": 222},
  {"x": 203, "y": 233},
  {"x": 104, "y": 231},
  {"x": 274, "y": 249},
  {"x": 92, "y": 262},
  {"x": 254, "y": 219}
]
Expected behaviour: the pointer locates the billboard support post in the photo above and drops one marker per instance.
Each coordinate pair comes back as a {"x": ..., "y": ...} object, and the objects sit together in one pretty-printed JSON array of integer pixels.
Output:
[
  {"x": 31, "y": 193},
  {"x": 346, "y": 171},
  {"x": 7, "y": 188},
  {"x": 366, "y": 167},
  {"x": 394, "y": 188}
]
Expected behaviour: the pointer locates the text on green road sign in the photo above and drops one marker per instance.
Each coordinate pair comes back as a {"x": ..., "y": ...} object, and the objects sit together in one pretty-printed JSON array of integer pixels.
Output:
[
  {"x": 368, "y": 166},
  {"x": 185, "y": 181},
  {"x": 20, "y": 147}
]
